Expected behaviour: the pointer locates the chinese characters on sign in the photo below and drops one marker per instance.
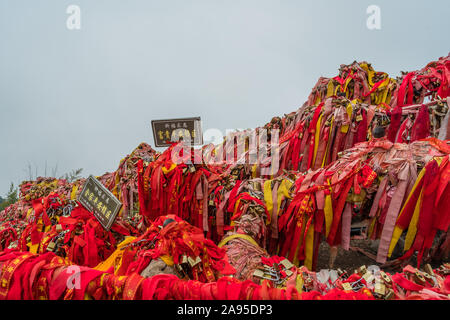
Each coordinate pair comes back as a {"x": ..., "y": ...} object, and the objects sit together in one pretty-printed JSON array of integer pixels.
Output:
[
  {"x": 173, "y": 130},
  {"x": 100, "y": 201}
]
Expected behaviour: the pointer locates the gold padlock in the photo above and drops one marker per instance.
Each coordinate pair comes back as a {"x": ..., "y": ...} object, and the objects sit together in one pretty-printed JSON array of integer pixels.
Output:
[
  {"x": 346, "y": 286},
  {"x": 389, "y": 295},
  {"x": 368, "y": 276},
  {"x": 362, "y": 270},
  {"x": 287, "y": 264},
  {"x": 418, "y": 278},
  {"x": 385, "y": 278},
  {"x": 51, "y": 246},
  {"x": 380, "y": 288},
  {"x": 428, "y": 269},
  {"x": 428, "y": 278},
  {"x": 258, "y": 273}
]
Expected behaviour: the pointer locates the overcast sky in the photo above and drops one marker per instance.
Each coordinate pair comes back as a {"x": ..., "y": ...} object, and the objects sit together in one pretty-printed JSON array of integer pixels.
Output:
[{"x": 85, "y": 98}]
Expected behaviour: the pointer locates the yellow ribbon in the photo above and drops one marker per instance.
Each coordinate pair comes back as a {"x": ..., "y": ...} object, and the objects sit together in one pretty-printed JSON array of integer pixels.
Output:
[
  {"x": 325, "y": 158},
  {"x": 330, "y": 88},
  {"x": 254, "y": 168},
  {"x": 115, "y": 259},
  {"x": 29, "y": 212},
  {"x": 370, "y": 72},
  {"x": 237, "y": 235},
  {"x": 283, "y": 190},
  {"x": 317, "y": 137},
  {"x": 299, "y": 283},
  {"x": 309, "y": 244},
  {"x": 328, "y": 212},
  {"x": 166, "y": 171},
  {"x": 412, "y": 228},
  {"x": 349, "y": 109},
  {"x": 268, "y": 197},
  {"x": 346, "y": 84},
  {"x": 34, "y": 248},
  {"x": 167, "y": 260},
  {"x": 73, "y": 194}
]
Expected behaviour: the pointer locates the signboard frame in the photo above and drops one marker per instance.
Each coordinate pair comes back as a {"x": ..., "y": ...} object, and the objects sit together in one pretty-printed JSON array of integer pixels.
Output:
[
  {"x": 103, "y": 192},
  {"x": 198, "y": 138}
]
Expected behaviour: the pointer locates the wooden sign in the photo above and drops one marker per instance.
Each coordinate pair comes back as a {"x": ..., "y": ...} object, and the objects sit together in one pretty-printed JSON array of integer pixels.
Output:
[
  {"x": 100, "y": 201},
  {"x": 174, "y": 130}
]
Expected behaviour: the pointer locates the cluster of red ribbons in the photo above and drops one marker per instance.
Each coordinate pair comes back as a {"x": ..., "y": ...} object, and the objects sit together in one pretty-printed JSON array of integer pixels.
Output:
[
  {"x": 69, "y": 230},
  {"x": 431, "y": 81},
  {"x": 181, "y": 246},
  {"x": 355, "y": 81},
  {"x": 346, "y": 109},
  {"x": 332, "y": 169},
  {"x": 29, "y": 276},
  {"x": 371, "y": 183},
  {"x": 426, "y": 210}
]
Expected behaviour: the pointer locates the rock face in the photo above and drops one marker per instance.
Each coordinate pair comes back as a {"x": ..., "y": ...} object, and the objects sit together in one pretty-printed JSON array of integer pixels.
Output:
[{"x": 157, "y": 267}]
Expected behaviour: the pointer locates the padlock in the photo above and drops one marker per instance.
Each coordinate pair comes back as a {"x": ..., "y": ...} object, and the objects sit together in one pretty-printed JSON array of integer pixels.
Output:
[
  {"x": 180, "y": 271},
  {"x": 418, "y": 278},
  {"x": 197, "y": 261},
  {"x": 387, "y": 280},
  {"x": 258, "y": 273},
  {"x": 287, "y": 264},
  {"x": 368, "y": 276},
  {"x": 51, "y": 246},
  {"x": 389, "y": 294},
  {"x": 428, "y": 269},
  {"x": 380, "y": 288},
  {"x": 362, "y": 270},
  {"x": 194, "y": 262},
  {"x": 346, "y": 286},
  {"x": 428, "y": 278}
]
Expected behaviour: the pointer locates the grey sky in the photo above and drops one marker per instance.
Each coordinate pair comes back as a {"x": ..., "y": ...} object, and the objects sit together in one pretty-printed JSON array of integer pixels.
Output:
[{"x": 85, "y": 98}]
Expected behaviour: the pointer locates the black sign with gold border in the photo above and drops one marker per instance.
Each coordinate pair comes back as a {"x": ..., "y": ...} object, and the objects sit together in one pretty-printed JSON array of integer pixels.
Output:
[
  {"x": 190, "y": 129},
  {"x": 100, "y": 201}
]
